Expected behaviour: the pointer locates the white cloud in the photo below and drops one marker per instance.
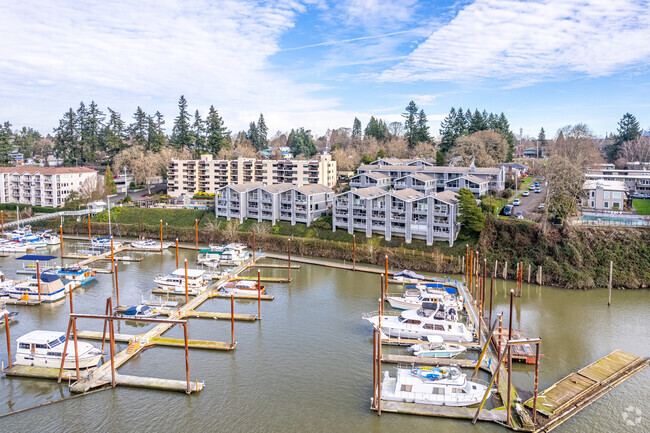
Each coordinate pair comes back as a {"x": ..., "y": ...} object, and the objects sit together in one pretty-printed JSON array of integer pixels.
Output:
[
  {"x": 528, "y": 41},
  {"x": 124, "y": 54}
]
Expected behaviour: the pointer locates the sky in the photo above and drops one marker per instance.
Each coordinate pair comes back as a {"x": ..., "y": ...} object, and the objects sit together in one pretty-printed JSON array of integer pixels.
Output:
[{"x": 320, "y": 63}]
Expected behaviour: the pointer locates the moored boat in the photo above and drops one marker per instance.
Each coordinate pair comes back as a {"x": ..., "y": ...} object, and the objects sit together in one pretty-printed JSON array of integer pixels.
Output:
[
  {"x": 52, "y": 288},
  {"x": 80, "y": 274},
  {"x": 150, "y": 245},
  {"x": 436, "y": 347},
  {"x": 241, "y": 286},
  {"x": 442, "y": 386},
  {"x": 140, "y": 311},
  {"x": 105, "y": 243},
  {"x": 234, "y": 254},
  {"x": 413, "y": 298},
  {"x": 10, "y": 314},
  {"x": 45, "y": 349},
  {"x": 174, "y": 282}
]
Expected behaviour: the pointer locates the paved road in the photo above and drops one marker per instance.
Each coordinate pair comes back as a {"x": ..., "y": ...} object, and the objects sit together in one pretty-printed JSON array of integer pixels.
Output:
[
  {"x": 138, "y": 194},
  {"x": 529, "y": 204}
]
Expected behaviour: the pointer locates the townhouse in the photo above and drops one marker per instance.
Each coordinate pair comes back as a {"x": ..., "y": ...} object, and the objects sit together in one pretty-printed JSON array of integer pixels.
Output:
[
  {"x": 605, "y": 195},
  {"x": 404, "y": 213},
  {"x": 636, "y": 181},
  {"x": 41, "y": 186},
  {"x": 274, "y": 202},
  {"x": 207, "y": 175}
]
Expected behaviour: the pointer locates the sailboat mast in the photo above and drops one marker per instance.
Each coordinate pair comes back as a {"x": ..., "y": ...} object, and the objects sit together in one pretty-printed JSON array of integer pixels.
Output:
[{"x": 108, "y": 202}]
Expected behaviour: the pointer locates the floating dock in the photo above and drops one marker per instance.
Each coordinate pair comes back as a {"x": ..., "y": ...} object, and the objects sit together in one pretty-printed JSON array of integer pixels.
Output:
[
  {"x": 520, "y": 353},
  {"x": 428, "y": 360}
]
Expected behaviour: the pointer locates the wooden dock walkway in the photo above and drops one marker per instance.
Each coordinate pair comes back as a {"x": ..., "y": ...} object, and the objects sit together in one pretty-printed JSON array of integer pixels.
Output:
[
  {"x": 576, "y": 391},
  {"x": 427, "y": 360},
  {"x": 411, "y": 341},
  {"x": 160, "y": 341},
  {"x": 520, "y": 353}
]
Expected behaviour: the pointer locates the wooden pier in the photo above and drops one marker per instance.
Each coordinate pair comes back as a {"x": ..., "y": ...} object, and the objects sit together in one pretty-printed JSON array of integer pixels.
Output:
[
  {"x": 442, "y": 411},
  {"x": 521, "y": 353},
  {"x": 568, "y": 396},
  {"x": 427, "y": 360}
]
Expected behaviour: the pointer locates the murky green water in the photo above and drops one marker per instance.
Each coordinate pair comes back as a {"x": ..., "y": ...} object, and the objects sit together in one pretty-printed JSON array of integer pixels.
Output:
[{"x": 307, "y": 367}]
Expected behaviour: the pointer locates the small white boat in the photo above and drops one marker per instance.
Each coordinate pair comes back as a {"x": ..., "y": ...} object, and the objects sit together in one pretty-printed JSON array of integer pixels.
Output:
[
  {"x": 140, "y": 311},
  {"x": 242, "y": 286},
  {"x": 419, "y": 324},
  {"x": 80, "y": 274},
  {"x": 49, "y": 237},
  {"x": 14, "y": 248},
  {"x": 18, "y": 233},
  {"x": 150, "y": 244},
  {"x": 209, "y": 257},
  {"x": 52, "y": 288},
  {"x": 435, "y": 347},
  {"x": 234, "y": 254},
  {"x": 105, "y": 243},
  {"x": 45, "y": 349},
  {"x": 442, "y": 386},
  {"x": 174, "y": 282},
  {"x": 414, "y": 298}
]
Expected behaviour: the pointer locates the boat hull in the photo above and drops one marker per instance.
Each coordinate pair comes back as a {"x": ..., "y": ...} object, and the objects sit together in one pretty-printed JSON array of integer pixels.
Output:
[{"x": 55, "y": 362}]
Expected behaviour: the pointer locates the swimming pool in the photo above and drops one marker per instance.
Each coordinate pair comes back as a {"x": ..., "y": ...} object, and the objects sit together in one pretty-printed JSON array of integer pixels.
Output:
[{"x": 615, "y": 221}]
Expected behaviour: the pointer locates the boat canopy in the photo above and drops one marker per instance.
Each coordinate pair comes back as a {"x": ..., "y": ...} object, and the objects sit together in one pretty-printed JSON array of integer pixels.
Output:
[
  {"x": 48, "y": 278},
  {"x": 191, "y": 273},
  {"x": 36, "y": 257},
  {"x": 409, "y": 274}
]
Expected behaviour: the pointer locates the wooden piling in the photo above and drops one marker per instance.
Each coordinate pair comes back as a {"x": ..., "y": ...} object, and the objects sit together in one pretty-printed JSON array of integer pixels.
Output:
[
  {"x": 529, "y": 269},
  {"x": 374, "y": 367},
  {"x": 259, "y": 295},
  {"x": 509, "y": 349},
  {"x": 176, "y": 253},
  {"x": 117, "y": 285},
  {"x": 499, "y": 344},
  {"x": 111, "y": 333},
  {"x": 187, "y": 359},
  {"x": 505, "y": 270},
  {"x": 187, "y": 294},
  {"x": 8, "y": 338},
  {"x": 483, "y": 289},
  {"x": 90, "y": 238},
  {"x": 161, "y": 237},
  {"x": 539, "y": 275},
  {"x": 76, "y": 347},
  {"x": 196, "y": 237},
  {"x": 471, "y": 264},
  {"x": 535, "y": 389},
  {"x": 381, "y": 294},
  {"x": 289, "y": 257},
  {"x": 109, "y": 312},
  {"x": 38, "y": 279},
  {"x": 609, "y": 286},
  {"x": 466, "y": 264},
  {"x": 491, "y": 290},
  {"x": 61, "y": 242},
  {"x": 383, "y": 297},
  {"x": 354, "y": 253},
  {"x": 65, "y": 350},
  {"x": 232, "y": 320},
  {"x": 253, "y": 233},
  {"x": 112, "y": 256},
  {"x": 379, "y": 369}
]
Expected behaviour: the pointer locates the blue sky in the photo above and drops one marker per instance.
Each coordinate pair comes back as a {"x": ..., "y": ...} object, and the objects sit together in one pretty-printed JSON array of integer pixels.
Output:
[{"x": 320, "y": 63}]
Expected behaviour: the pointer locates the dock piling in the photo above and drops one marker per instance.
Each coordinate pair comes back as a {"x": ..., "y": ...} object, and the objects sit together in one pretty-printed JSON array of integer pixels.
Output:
[
  {"x": 139, "y": 228},
  {"x": 90, "y": 238},
  {"x": 509, "y": 349},
  {"x": 187, "y": 295},
  {"x": 112, "y": 256},
  {"x": 536, "y": 383},
  {"x": 232, "y": 320},
  {"x": 289, "y": 257},
  {"x": 505, "y": 270},
  {"x": 111, "y": 336},
  {"x": 187, "y": 359},
  {"x": 38, "y": 280},
  {"x": 117, "y": 286},
  {"x": 65, "y": 350},
  {"x": 385, "y": 293},
  {"x": 61, "y": 239},
  {"x": 108, "y": 312},
  {"x": 161, "y": 237},
  {"x": 253, "y": 233},
  {"x": 176, "y": 253},
  {"x": 259, "y": 295},
  {"x": 2, "y": 217},
  {"x": 354, "y": 253},
  {"x": 529, "y": 269},
  {"x": 76, "y": 349},
  {"x": 196, "y": 237},
  {"x": 8, "y": 338},
  {"x": 491, "y": 290},
  {"x": 609, "y": 286}
]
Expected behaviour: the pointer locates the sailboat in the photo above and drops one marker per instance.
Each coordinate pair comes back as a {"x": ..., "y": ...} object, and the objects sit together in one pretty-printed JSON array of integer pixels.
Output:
[{"x": 105, "y": 242}]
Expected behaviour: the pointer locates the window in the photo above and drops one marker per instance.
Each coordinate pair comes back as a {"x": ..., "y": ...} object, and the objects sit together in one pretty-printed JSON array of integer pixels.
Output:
[
  {"x": 606, "y": 205},
  {"x": 593, "y": 203},
  {"x": 439, "y": 328},
  {"x": 616, "y": 194},
  {"x": 606, "y": 194},
  {"x": 23, "y": 346},
  {"x": 593, "y": 194},
  {"x": 407, "y": 388}
]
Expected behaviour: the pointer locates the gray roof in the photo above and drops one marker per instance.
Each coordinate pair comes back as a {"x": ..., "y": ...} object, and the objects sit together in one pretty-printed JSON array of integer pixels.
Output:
[
  {"x": 420, "y": 176},
  {"x": 313, "y": 188},
  {"x": 371, "y": 191},
  {"x": 446, "y": 196},
  {"x": 407, "y": 194},
  {"x": 243, "y": 187},
  {"x": 471, "y": 178}
]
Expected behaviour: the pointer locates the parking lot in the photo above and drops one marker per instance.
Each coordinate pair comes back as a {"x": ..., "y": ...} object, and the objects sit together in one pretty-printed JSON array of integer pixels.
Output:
[{"x": 529, "y": 204}]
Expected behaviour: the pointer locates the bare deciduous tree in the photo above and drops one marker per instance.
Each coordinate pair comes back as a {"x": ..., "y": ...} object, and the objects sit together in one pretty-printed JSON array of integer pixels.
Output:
[
  {"x": 93, "y": 189},
  {"x": 576, "y": 144},
  {"x": 637, "y": 150},
  {"x": 232, "y": 229},
  {"x": 261, "y": 227}
]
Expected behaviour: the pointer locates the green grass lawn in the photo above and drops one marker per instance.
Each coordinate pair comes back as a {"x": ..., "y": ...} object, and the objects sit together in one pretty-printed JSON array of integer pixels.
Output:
[
  {"x": 642, "y": 206},
  {"x": 151, "y": 216}
]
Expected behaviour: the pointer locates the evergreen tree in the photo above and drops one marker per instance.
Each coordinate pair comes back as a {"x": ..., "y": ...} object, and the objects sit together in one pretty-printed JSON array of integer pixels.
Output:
[
  {"x": 91, "y": 125},
  {"x": 110, "y": 181},
  {"x": 114, "y": 133},
  {"x": 422, "y": 128},
  {"x": 447, "y": 131},
  {"x": 253, "y": 135},
  {"x": 301, "y": 142},
  {"x": 440, "y": 158},
  {"x": 410, "y": 124},
  {"x": 66, "y": 138},
  {"x": 139, "y": 128},
  {"x": 198, "y": 132},
  {"x": 356, "y": 129},
  {"x": 503, "y": 128},
  {"x": 262, "y": 131},
  {"x": 628, "y": 129},
  {"x": 218, "y": 136},
  {"x": 377, "y": 129},
  {"x": 478, "y": 122},
  {"x": 181, "y": 137},
  {"x": 541, "y": 137},
  {"x": 470, "y": 215},
  {"x": 26, "y": 141},
  {"x": 5, "y": 142}
]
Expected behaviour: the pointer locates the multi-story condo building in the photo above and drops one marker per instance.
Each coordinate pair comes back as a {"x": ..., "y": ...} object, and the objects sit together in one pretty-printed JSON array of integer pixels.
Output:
[
  {"x": 637, "y": 181},
  {"x": 41, "y": 186},
  {"x": 496, "y": 176},
  {"x": 420, "y": 182},
  {"x": 365, "y": 180},
  {"x": 283, "y": 202},
  {"x": 478, "y": 185},
  {"x": 207, "y": 175},
  {"x": 405, "y": 213},
  {"x": 604, "y": 195}
]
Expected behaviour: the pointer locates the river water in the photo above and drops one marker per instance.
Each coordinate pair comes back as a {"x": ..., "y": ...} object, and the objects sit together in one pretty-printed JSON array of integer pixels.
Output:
[{"x": 307, "y": 365}]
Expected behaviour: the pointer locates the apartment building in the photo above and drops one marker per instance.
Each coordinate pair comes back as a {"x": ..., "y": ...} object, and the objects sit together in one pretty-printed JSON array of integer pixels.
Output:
[
  {"x": 420, "y": 182},
  {"x": 605, "y": 194},
  {"x": 365, "y": 180},
  {"x": 208, "y": 175},
  {"x": 478, "y": 185},
  {"x": 496, "y": 176},
  {"x": 637, "y": 181},
  {"x": 404, "y": 213},
  {"x": 283, "y": 202},
  {"x": 41, "y": 186}
]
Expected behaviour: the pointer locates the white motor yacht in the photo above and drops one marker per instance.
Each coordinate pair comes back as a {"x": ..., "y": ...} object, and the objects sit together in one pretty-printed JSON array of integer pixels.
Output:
[
  {"x": 234, "y": 254},
  {"x": 242, "y": 286},
  {"x": 150, "y": 244},
  {"x": 45, "y": 349},
  {"x": 419, "y": 324},
  {"x": 105, "y": 243},
  {"x": 52, "y": 288},
  {"x": 436, "y": 347},
  {"x": 174, "y": 282},
  {"x": 443, "y": 386},
  {"x": 414, "y": 298}
]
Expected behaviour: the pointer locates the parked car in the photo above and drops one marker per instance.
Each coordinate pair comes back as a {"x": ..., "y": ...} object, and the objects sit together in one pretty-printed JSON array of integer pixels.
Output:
[
  {"x": 536, "y": 184},
  {"x": 541, "y": 206},
  {"x": 526, "y": 193},
  {"x": 532, "y": 187},
  {"x": 519, "y": 215},
  {"x": 507, "y": 210},
  {"x": 538, "y": 189},
  {"x": 516, "y": 202}
]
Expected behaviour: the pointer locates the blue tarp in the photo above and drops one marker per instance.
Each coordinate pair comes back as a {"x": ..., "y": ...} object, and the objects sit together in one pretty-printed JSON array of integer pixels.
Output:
[
  {"x": 47, "y": 278},
  {"x": 35, "y": 257}
]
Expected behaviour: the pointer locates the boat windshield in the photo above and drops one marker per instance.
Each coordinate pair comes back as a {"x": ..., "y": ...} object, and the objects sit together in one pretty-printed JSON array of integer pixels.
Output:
[{"x": 55, "y": 343}]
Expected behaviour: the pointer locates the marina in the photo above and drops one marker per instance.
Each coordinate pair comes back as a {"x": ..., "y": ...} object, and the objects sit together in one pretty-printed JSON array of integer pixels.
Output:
[{"x": 311, "y": 281}]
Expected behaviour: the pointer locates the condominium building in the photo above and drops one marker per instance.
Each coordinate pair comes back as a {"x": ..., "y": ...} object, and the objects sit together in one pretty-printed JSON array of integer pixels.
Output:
[
  {"x": 605, "y": 195},
  {"x": 496, "y": 176},
  {"x": 283, "y": 202},
  {"x": 208, "y": 175},
  {"x": 405, "y": 213},
  {"x": 41, "y": 186},
  {"x": 637, "y": 181},
  {"x": 478, "y": 185}
]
